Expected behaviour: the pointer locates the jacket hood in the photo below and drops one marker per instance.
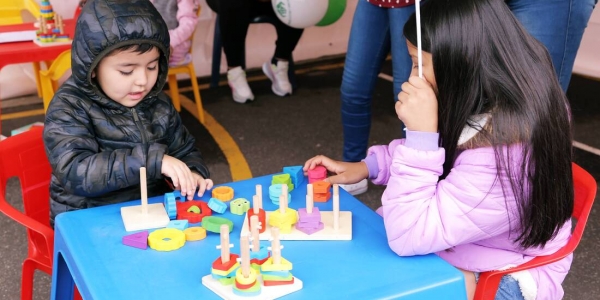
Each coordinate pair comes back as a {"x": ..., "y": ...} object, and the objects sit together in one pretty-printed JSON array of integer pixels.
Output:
[{"x": 105, "y": 25}]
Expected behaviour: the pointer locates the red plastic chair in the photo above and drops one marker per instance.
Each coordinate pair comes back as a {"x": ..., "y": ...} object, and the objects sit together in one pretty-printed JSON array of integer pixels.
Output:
[
  {"x": 23, "y": 156},
  {"x": 585, "y": 193}
]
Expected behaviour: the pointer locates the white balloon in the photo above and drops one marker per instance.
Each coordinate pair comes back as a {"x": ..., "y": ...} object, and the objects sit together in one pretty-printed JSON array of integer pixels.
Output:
[{"x": 300, "y": 13}]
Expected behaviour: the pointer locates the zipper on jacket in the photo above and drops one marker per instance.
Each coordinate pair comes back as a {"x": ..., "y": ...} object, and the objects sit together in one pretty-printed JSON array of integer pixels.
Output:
[{"x": 140, "y": 126}]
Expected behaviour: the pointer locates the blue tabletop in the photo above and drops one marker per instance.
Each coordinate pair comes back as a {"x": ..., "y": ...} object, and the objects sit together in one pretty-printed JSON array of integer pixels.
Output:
[{"x": 363, "y": 268}]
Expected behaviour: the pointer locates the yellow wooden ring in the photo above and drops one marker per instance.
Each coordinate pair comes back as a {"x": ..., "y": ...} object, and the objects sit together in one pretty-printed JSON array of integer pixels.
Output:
[
  {"x": 223, "y": 193},
  {"x": 243, "y": 280},
  {"x": 166, "y": 239},
  {"x": 194, "y": 233}
]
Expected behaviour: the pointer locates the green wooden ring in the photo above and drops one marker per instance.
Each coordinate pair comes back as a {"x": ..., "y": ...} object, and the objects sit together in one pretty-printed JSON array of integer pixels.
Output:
[{"x": 213, "y": 224}]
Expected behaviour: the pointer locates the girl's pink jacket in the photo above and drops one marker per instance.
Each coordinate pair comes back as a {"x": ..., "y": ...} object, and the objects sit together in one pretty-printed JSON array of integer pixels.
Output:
[{"x": 464, "y": 218}]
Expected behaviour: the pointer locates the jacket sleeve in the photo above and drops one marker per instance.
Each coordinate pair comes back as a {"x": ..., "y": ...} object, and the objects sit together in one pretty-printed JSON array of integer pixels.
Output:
[
  {"x": 182, "y": 146},
  {"x": 422, "y": 215},
  {"x": 187, "y": 19},
  {"x": 77, "y": 161}
]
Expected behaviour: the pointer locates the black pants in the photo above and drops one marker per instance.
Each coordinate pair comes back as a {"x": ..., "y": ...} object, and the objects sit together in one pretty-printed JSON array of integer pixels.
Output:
[{"x": 234, "y": 21}]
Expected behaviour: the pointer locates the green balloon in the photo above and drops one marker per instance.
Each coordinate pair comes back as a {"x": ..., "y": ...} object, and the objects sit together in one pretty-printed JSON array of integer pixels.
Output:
[{"x": 334, "y": 11}]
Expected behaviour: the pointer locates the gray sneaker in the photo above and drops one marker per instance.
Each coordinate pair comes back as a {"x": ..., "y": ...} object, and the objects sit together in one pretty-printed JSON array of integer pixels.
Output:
[{"x": 279, "y": 77}]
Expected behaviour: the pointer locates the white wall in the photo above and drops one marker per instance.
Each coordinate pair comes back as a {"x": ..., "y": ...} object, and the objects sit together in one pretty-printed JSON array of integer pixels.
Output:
[
  {"x": 16, "y": 80},
  {"x": 587, "y": 61}
]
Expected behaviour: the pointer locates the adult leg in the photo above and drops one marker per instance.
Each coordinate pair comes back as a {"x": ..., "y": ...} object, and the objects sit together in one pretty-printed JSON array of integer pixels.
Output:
[
  {"x": 368, "y": 45},
  {"x": 234, "y": 19},
  {"x": 278, "y": 69},
  {"x": 287, "y": 37},
  {"x": 559, "y": 25}
]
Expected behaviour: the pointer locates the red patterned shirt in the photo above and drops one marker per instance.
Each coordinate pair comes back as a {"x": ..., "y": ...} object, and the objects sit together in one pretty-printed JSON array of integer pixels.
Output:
[{"x": 391, "y": 3}]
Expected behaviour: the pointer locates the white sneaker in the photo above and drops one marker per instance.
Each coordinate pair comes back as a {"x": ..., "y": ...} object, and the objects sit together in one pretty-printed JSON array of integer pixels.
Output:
[
  {"x": 356, "y": 188},
  {"x": 236, "y": 78},
  {"x": 279, "y": 76}
]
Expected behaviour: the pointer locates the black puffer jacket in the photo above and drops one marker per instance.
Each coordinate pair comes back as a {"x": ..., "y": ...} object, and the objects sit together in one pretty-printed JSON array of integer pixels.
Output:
[{"x": 95, "y": 145}]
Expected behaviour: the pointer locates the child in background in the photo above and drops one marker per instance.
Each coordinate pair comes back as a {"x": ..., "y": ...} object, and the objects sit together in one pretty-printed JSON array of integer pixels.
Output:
[
  {"x": 483, "y": 178},
  {"x": 110, "y": 117},
  {"x": 181, "y": 19}
]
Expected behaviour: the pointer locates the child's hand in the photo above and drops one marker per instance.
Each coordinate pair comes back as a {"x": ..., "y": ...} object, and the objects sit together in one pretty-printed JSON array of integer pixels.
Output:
[
  {"x": 203, "y": 185},
  {"x": 347, "y": 173},
  {"x": 417, "y": 105},
  {"x": 181, "y": 175}
]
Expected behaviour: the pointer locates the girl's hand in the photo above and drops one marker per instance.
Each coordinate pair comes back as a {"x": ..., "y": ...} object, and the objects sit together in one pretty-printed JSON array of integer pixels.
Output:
[
  {"x": 417, "y": 105},
  {"x": 203, "y": 185},
  {"x": 346, "y": 172},
  {"x": 180, "y": 174}
]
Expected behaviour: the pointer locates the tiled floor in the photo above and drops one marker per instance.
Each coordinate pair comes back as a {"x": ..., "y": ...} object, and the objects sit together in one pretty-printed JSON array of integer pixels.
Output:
[{"x": 273, "y": 132}]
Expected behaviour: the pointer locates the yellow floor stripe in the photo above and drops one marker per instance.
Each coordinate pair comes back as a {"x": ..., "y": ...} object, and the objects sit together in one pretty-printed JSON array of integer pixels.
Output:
[{"x": 237, "y": 162}]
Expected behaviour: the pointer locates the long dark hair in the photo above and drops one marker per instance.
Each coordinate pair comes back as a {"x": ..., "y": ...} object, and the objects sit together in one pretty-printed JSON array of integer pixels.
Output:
[{"x": 485, "y": 62}]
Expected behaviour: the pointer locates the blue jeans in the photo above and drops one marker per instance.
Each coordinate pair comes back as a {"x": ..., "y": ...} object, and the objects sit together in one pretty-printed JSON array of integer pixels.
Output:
[
  {"x": 375, "y": 31},
  {"x": 558, "y": 24},
  {"x": 508, "y": 289}
]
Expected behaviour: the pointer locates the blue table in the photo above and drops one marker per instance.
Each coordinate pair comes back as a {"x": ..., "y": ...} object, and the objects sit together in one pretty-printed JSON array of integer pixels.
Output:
[{"x": 88, "y": 251}]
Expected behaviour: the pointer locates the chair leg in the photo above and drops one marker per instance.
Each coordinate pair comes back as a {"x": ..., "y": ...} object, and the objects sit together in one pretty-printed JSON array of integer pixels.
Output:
[
  {"x": 36, "y": 75},
  {"x": 216, "y": 56},
  {"x": 292, "y": 73},
  {"x": 196, "y": 91},
  {"x": 77, "y": 295},
  {"x": 174, "y": 90},
  {"x": 27, "y": 280}
]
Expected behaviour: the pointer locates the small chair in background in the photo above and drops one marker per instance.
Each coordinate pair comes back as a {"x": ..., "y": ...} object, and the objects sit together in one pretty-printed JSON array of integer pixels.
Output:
[
  {"x": 585, "y": 192},
  {"x": 186, "y": 69},
  {"x": 49, "y": 78}
]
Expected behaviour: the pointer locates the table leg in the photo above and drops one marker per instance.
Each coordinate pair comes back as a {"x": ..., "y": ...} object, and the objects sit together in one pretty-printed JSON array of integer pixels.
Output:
[{"x": 62, "y": 282}]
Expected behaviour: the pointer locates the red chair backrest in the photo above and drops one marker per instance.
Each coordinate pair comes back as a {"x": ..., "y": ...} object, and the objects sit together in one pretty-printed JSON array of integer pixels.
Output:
[
  {"x": 585, "y": 188},
  {"x": 23, "y": 156}
]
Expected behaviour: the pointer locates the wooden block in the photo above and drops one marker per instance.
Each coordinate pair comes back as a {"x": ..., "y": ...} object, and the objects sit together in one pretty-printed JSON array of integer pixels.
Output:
[
  {"x": 134, "y": 219},
  {"x": 267, "y": 292}
]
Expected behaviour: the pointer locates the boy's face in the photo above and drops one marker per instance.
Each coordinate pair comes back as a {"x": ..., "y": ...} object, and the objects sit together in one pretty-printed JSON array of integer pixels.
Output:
[{"x": 128, "y": 76}]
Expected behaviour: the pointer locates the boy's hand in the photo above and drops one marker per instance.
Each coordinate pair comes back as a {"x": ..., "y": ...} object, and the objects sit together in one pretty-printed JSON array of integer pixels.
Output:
[
  {"x": 181, "y": 175},
  {"x": 347, "y": 173},
  {"x": 417, "y": 105},
  {"x": 203, "y": 185}
]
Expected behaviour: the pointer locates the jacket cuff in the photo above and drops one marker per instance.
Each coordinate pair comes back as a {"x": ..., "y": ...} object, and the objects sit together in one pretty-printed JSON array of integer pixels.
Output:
[
  {"x": 156, "y": 152},
  {"x": 371, "y": 162},
  {"x": 420, "y": 140}
]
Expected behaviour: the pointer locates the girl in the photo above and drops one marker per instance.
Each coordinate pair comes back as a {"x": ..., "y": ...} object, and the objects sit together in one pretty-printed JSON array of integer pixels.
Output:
[
  {"x": 181, "y": 19},
  {"x": 483, "y": 178}
]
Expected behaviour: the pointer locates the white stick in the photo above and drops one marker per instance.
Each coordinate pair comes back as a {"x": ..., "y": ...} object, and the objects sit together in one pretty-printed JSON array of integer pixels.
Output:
[
  {"x": 419, "y": 54},
  {"x": 309, "y": 204},
  {"x": 259, "y": 195},
  {"x": 336, "y": 207},
  {"x": 144, "y": 191},
  {"x": 254, "y": 232},
  {"x": 224, "y": 243},
  {"x": 255, "y": 204},
  {"x": 244, "y": 246},
  {"x": 275, "y": 245},
  {"x": 309, "y": 193}
]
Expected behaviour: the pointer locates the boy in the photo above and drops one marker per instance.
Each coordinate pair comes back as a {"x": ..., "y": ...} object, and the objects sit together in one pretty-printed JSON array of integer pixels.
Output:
[{"x": 110, "y": 117}]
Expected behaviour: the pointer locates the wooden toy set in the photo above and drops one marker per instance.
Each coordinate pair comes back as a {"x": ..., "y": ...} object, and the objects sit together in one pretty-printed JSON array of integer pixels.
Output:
[
  {"x": 256, "y": 273},
  {"x": 259, "y": 272},
  {"x": 307, "y": 223},
  {"x": 173, "y": 217},
  {"x": 51, "y": 30}
]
